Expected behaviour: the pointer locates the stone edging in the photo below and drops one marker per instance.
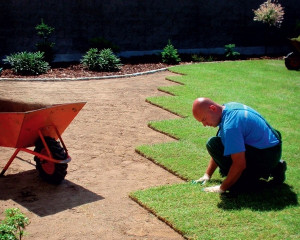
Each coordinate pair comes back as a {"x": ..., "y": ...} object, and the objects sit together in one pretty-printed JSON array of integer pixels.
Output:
[{"x": 81, "y": 78}]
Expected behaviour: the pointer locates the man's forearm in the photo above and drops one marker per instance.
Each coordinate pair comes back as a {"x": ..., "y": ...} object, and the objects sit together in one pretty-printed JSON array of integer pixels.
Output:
[
  {"x": 212, "y": 166},
  {"x": 235, "y": 171},
  {"x": 232, "y": 177}
]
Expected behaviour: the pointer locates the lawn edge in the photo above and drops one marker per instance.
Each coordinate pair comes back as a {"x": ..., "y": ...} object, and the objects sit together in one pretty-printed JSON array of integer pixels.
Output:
[
  {"x": 160, "y": 165},
  {"x": 156, "y": 105},
  {"x": 162, "y": 132},
  {"x": 135, "y": 199}
]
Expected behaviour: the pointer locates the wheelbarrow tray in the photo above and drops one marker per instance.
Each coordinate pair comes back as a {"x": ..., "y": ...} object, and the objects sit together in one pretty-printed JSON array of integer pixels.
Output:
[{"x": 21, "y": 129}]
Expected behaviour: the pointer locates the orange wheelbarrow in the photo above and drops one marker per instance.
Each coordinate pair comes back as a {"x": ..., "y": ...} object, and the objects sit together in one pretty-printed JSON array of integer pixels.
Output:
[
  {"x": 25, "y": 125},
  {"x": 292, "y": 60}
]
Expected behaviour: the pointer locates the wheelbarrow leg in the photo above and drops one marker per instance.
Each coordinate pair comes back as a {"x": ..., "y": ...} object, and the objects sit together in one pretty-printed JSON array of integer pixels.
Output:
[{"x": 10, "y": 161}]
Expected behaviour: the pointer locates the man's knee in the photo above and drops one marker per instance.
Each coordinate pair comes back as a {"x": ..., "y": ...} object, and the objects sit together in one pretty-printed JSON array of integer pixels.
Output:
[
  {"x": 214, "y": 144},
  {"x": 215, "y": 149}
]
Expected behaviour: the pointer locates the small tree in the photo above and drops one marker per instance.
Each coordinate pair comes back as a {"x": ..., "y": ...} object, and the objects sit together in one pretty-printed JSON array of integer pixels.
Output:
[
  {"x": 270, "y": 13},
  {"x": 170, "y": 54},
  {"x": 44, "y": 45}
]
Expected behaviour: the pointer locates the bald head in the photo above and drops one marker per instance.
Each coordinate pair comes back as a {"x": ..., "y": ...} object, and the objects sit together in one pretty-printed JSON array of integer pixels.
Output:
[
  {"x": 202, "y": 104},
  {"x": 207, "y": 112}
]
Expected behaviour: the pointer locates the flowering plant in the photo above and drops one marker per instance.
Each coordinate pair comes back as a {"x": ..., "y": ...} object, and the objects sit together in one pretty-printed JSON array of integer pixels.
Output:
[{"x": 269, "y": 12}]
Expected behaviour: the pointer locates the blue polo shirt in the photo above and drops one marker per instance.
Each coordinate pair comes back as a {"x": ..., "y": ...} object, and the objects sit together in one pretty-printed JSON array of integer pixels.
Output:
[{"x": 241, "y": 125}]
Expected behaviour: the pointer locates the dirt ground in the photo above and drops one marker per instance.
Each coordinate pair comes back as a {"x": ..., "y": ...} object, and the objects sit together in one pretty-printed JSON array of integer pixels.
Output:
[{"x": 92, "y": 202}]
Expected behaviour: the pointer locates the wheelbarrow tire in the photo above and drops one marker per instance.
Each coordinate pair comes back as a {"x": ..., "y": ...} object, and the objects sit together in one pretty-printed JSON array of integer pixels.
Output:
[
  {"x": 50, "y": 172},
  {"x": 292, "y": 61}
]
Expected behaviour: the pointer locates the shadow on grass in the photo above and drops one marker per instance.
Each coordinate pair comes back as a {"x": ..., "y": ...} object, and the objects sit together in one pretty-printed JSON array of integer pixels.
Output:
[{"x": 266, "y": 197}]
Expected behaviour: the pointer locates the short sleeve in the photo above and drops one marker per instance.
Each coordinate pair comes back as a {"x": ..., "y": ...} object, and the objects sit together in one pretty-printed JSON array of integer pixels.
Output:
[{"x": 233, "y": 141}]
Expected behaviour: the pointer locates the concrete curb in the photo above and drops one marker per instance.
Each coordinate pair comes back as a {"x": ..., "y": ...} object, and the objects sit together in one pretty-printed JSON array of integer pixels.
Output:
[{"x": 81, "y": 78}]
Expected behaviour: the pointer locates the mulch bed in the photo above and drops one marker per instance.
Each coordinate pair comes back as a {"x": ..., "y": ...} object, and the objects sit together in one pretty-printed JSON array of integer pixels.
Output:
[
  {"x": 77, "y": 70},
  {"x": 131, "y": 66}
]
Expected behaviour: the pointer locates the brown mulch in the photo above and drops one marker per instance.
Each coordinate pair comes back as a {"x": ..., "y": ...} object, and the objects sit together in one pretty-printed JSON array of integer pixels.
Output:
[{"x": 77, "y": 70}]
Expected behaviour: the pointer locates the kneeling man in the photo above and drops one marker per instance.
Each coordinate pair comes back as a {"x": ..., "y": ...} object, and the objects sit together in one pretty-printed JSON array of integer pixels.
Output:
[{"x": 245, "y": 149}]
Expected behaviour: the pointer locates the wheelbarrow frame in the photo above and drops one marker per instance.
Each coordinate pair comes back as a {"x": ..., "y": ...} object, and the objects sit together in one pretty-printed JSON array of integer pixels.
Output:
[
  {"x": 41, "y": 156},
  {"x": 27, "y": 125}
]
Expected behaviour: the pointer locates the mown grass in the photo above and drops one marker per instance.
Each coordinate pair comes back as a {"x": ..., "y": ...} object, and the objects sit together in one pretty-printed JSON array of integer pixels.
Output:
[{"x": 268, "y": 212}]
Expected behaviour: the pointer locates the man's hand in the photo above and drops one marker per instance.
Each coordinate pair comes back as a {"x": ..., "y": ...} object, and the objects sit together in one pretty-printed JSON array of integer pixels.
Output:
[
  {"x": 215, "y": 189},
  {"x": 202, "y": 180}
]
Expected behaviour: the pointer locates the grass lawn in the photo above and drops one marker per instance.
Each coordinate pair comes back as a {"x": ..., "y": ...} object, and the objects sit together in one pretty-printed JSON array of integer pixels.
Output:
[{"x": 268, "y": 212}]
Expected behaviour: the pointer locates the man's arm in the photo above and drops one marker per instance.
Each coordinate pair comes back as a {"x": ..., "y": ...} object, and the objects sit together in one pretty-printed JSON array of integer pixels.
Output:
[
  {"x": 212, "y": 166},
  {"x": 235, "y": 171}
]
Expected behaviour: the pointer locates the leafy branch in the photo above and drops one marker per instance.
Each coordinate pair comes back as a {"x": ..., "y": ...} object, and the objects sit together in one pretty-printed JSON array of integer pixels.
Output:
[{"x": 12, "y": 227}]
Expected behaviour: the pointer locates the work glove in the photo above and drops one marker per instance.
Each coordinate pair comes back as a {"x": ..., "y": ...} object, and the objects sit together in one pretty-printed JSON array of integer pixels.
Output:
[
  {"x": 215, "y": 189},
  {"x": 202, "y": 180}
]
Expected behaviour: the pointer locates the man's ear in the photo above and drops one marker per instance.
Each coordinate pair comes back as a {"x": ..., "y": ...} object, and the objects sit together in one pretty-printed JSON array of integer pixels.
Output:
[{"x": 212, "y": 108}]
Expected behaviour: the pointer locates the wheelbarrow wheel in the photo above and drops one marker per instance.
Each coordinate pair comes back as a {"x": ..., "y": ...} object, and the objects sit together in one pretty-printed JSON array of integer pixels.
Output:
[
  {"x": 51, "y": 172},
  {"x": 292, "y": 61}
]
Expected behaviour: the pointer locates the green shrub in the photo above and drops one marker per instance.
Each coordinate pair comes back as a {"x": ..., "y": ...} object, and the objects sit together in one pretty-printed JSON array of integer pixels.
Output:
[
  {"x": 230, "y": 52},
  {"x": 109, "y": 61},
  {"x": 102, "y": 61},
  {"x": 170, "y": 54},
  {"x": 210, "y": 59},
  {"x": 1, "y": 70},
  {"x": 28, "y": 63},
  {"x": 90, "y": 59},
  {"x": 44, "y": 45},
  {"x": 197, "y": 58},
  {"x": 296, "y": 39},
  {"x": 12, "y": 227}
]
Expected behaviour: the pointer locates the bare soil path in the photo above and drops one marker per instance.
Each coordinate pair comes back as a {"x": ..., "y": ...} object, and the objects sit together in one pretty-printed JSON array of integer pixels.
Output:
[{"x": 92, "y": 203}]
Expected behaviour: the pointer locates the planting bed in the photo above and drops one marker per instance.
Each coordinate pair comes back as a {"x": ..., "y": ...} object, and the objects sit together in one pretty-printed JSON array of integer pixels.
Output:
[{"x": 74, "y": 70}]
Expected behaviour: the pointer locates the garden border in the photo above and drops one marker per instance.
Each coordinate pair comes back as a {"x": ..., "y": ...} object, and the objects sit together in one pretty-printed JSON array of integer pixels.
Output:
[{"x": 82, "y": 78}]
